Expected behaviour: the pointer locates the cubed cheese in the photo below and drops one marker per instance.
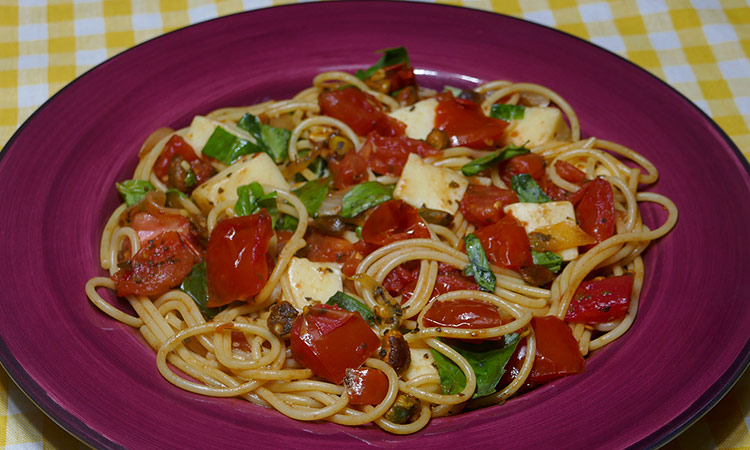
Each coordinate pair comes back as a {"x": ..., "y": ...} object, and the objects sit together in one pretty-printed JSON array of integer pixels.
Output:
[
  {"x": 202, "y": 127},
  {"x": 424, "y": 185},
  {"x": 534, "y": 216},
  {"x": 313, "y": 281},
  {"x": 422, "y": 363},
  {"x": 419, "y": 118},
  {"x": 538, "y": 126},
  {"x": 223, "y": 186}
]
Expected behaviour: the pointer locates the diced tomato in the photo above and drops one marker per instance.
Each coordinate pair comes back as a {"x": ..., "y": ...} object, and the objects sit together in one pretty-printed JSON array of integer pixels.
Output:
[
  {"x": 351, "y": 170},
  {"x": 324, "y": 248},
  {"x": 361, "y": 249},
  {"x": 148, "y": 226},
  {"x": 569, "y": 172},
  {"x": 393, "y": 221},
  {"x": 596, "y": 210},
  {"x": 601, "y": 301},
  {"x": 401, "y": 75},
  {"x": 462, "y": 313},
  {"x": 366, "y": 386},
  {"x": 400, "y": 277},
  {"x": 483, "y": 205},
  {"x": 236, "y": 258},
  {"x": 506, "y": 243},
  {"x": 557, "y": 353},
  {"x": 360, "y": 111},
  {"x": 448, "y": 279},
  {"x": 465, "y": 123},
  {"x": 530, "y": 163},
  {"x": 161, "y": 263},
  {"x": 328, "y": 340},
  {"x": 387, "y": 155},
  {"x": 177, "y": 146}
]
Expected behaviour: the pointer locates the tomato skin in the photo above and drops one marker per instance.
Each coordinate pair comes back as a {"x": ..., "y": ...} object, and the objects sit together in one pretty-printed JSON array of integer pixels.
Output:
[
  {"x": 328, "y": 340},
  {"x": 148, "y": 226},
  {"x": 401, "y": 75},
  {"x": 596, "y": 210},
  {"x": 162, "y": 263},
  {"x": 601, "y": 301},
  {"x": 387, "y": 155},
  {"x": 393, "y": 221},
  {"x": 360, "y": 111},
  {"x": 465, "y": 123},
  {"x": 366, "y": 386},
  {"x": 236, "y": 263},
  {"x": 530, "y": 163},
  {"x": 448, "y": 279},
  {"x": 506, "y": 244},
  {"x": 324, "y": 248},
  {"x": 462, "y": 313},
  {"x": 569, "y": 172},
  {"x": 483, "y": 205},
  {"x": 351, "y": 170},
  {"x": 177, "y": 146},
  {"x": 400, "y": 277}
]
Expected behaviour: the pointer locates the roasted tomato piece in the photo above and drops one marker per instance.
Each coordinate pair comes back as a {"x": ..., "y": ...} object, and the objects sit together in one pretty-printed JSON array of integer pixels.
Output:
[
  {"x": 569, "y": 172},
  {"x": 462, "y": 313},
  {"x": 448, "y": 279},
  {"x": 530, "y": 163},
  {"x": 596, "y": 210},
  {"x": 351, "y": 170},
  {"x": 328, "y": 340},
  {"x": 148, "y": 226},
  {"x": 360, "y": 111},
  {"x": 387, "y": 155},
  {"x": 169, "y": 169},
  {"x": 506, "y": 243},
  {"x": 465, "y": 124},
  {"x": 393, "y": 221},
  {"x": 400, "y": 277},
  {"x": 161, "y": 263},
  {"x": 483, "y": 205},
  {"x": 366, "y": 386},
  {"x": 324, "y": 248},
  {"x": 236, "y": 263},
  {"x": 601, "y": 301}
]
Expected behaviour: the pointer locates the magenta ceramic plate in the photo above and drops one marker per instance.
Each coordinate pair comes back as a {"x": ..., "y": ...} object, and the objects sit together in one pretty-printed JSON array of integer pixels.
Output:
[{"x": 98, "y": 380}]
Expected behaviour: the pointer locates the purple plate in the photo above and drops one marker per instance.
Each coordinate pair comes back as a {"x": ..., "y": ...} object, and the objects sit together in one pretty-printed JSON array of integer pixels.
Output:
[{"x": 97, "y": 378}]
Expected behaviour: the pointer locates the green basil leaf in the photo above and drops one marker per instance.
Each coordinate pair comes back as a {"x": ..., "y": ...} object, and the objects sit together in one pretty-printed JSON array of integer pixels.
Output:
[
  {"x": 551, "y": 261},
  {"x": 286, "y": 223},
  {"x": 251, "y": 198},
  {"x": 391, "y": 56},
  {"x": 363, "y": 197},
  {"x": 272, "y": 140},
  {"x": 487, "y": 360},
  {"x": 453, "y": 90},
  {"x": 350, "y": 303},
  {"x": 479, "y": 266},
  {"x": 490, "y": 159},
  {"x": 226, "y": 147},
  {"x": 527, "y": 189},
  {"x": 195, "y": 286},
  {"x": 133, "y": 191},
  {"x": 312, "y": 194},
  {"x": 507, "y": 112}
]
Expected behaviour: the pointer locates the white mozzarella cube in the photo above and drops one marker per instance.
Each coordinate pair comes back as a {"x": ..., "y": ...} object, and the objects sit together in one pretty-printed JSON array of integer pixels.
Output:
[
  {"x": 422, "y": 363},
  {"x": 223, "y": 186},
  {"x": 423, "y": 185},
  {"x": 419, "y": 118},
  {"x": 313, "y": 281},
  {"x": 201, "y": 128},
  {"x": 538, "y": 126},
  {"x": 534, "y": 216}
]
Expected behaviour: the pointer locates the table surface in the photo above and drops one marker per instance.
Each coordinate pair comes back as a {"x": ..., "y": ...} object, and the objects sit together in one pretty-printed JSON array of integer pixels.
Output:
[{"x": 702, "y": 48}]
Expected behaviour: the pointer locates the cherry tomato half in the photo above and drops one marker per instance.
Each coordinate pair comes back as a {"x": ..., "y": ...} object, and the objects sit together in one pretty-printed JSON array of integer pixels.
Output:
[
  {"x": 506, "y": 244},
  {"x": 600, "y": 301},
  {"x": 596, "y": 210},
  {"x": 465, "y": 123},
  {"x": 387, "y": 155},
  {"x": 148, "y": 226},
  {"x": 236, "y": 264},
  {"x": 530, "y": 163},
  {"x": 177, "y": 147},
  {"x": 328, "y": 340},
  {"x": 360, "y": 111},
  {"x": 462, "y": 313},
  {"x": 366, "y": 386},
  {"x": 483, "y": 205},
  {"x": 351, "y": 170},
  {"x": 569, "y": 172},
  {"x": 393, "y": 221}
]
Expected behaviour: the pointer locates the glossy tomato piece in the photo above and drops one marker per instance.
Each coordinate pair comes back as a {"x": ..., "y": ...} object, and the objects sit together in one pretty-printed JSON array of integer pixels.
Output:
[
  {"x": 148, "y": 226},
  {"x": 236, "y": 263},
  {"x": 393, "y": 221},
  {"x": 601, "y": 301},
  {"x": 448, "y": 279},
  {"x": 351, "y": 170},
  {"x": 596, "y": 210},
  {"x": 506, "y": 244},
  {"x": 462, "y": 313},
  {"x": 161, "y": 263},
  {"x": 324, "y": 248},
  {"x": 177, "y": 147},
  {"x": 530, "y": 163},
  {"x": 328, "y": 340},
  {"x": 366, "y": 386},
  {"x": 360, "y": 111},
  {"x": 569, "y": 172},
  {"x": 400, "y": 76},
  {"x": 465, "y": 124},
  {"x": 483, "y": 205},
  {"x": 387, "y": 155},
  {"x": 401, "y": 276}
]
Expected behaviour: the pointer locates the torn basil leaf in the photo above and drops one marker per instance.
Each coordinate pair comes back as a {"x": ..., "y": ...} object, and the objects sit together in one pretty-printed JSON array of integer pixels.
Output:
[
  {"x": 487, "y": 161},
  {"x": 195, "y": 286},
  {"x": 312, "y": 194},
  {"x": 350, "y": 303},
  {"x": 133, "y": 191},
  {"x": 227, "y": 147},
  {"x": 391, "y": 57},
  {"x": 479, "y": 266},
  {"x": 363, "y": 197},
  {"x": 507, "y": 112},
  {"x": 286, "y": 223},
  {"x": 550, "y": 260},
  {"x": 272, "y": 140},
  {"x": 251, "y": 198},
  {"x": 527, "y": 189}
]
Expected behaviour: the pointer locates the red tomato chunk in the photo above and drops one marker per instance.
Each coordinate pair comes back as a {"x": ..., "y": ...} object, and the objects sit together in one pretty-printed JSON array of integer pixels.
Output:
[
  {"x": 601, "y": 301},
  {"x": 360, "y": 111},
  {"x": 236, "y": 263},
  {"x": 462, "y": 313},
  {"x": 393, "y": 221},
  {"x": 387, "y": 155},
  {"x": 328, "y": 340},
  {"x": 366, "y": 386},
  {"x": 483, "y": 205},
  {"x": 506, "y": 244},
  {"x": 530, "y": 163},
  {"x": 465, "y": 123},
  {"x": 596, "y": 210},
  {"x": 351, "y": 170}
]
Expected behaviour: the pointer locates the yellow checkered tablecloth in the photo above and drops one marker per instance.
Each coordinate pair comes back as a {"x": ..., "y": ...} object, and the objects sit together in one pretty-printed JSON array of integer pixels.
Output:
[{"x": 701, "y": 47}]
